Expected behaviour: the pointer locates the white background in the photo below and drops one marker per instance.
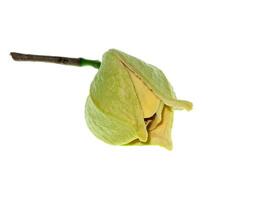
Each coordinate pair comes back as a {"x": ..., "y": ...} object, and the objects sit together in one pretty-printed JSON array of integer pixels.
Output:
[{"x": 213, "y": 53}]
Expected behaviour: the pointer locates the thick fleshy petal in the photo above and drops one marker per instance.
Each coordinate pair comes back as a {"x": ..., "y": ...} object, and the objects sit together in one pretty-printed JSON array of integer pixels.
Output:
[
  {"x": 153, "y": 78},
  {"x": 114, "y": 98}
]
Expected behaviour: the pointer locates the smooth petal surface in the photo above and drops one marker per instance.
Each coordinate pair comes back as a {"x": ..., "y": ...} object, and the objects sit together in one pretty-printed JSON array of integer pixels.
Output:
[
  {"x": 153, "y": 78},
  {"x": 114, "y": 99}
]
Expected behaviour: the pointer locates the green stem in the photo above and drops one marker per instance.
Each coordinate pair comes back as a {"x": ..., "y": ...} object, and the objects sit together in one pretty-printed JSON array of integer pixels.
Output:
[
  {"x": 80, "y": 62},
  {"x": 94, "y": 63}
]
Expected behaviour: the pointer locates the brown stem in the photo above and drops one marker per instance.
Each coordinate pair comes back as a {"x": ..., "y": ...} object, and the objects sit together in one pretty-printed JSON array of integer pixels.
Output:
[{"x": 50, "y": 59}]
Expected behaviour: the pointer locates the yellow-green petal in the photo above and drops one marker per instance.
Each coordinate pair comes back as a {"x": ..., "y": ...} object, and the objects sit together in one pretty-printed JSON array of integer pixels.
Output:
[
  {"x": 153, "y": 78},
  {"x": 114, "y": 99}
]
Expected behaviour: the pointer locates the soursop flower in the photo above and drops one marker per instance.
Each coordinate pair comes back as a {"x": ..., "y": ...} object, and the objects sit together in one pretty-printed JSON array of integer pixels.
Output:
[{"x": 131, "y": 102}]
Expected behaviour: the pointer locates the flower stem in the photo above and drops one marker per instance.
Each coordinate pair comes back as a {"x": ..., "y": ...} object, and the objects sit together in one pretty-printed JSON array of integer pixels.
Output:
[{"x": 80, "y": 62}]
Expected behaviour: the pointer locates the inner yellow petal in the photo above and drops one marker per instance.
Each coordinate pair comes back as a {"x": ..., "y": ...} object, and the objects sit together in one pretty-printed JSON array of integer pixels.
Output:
[
  {"x": 158, "y": 117},
  {"x": 161, "y": 135},
  {"x": 149, "y": 102}
]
